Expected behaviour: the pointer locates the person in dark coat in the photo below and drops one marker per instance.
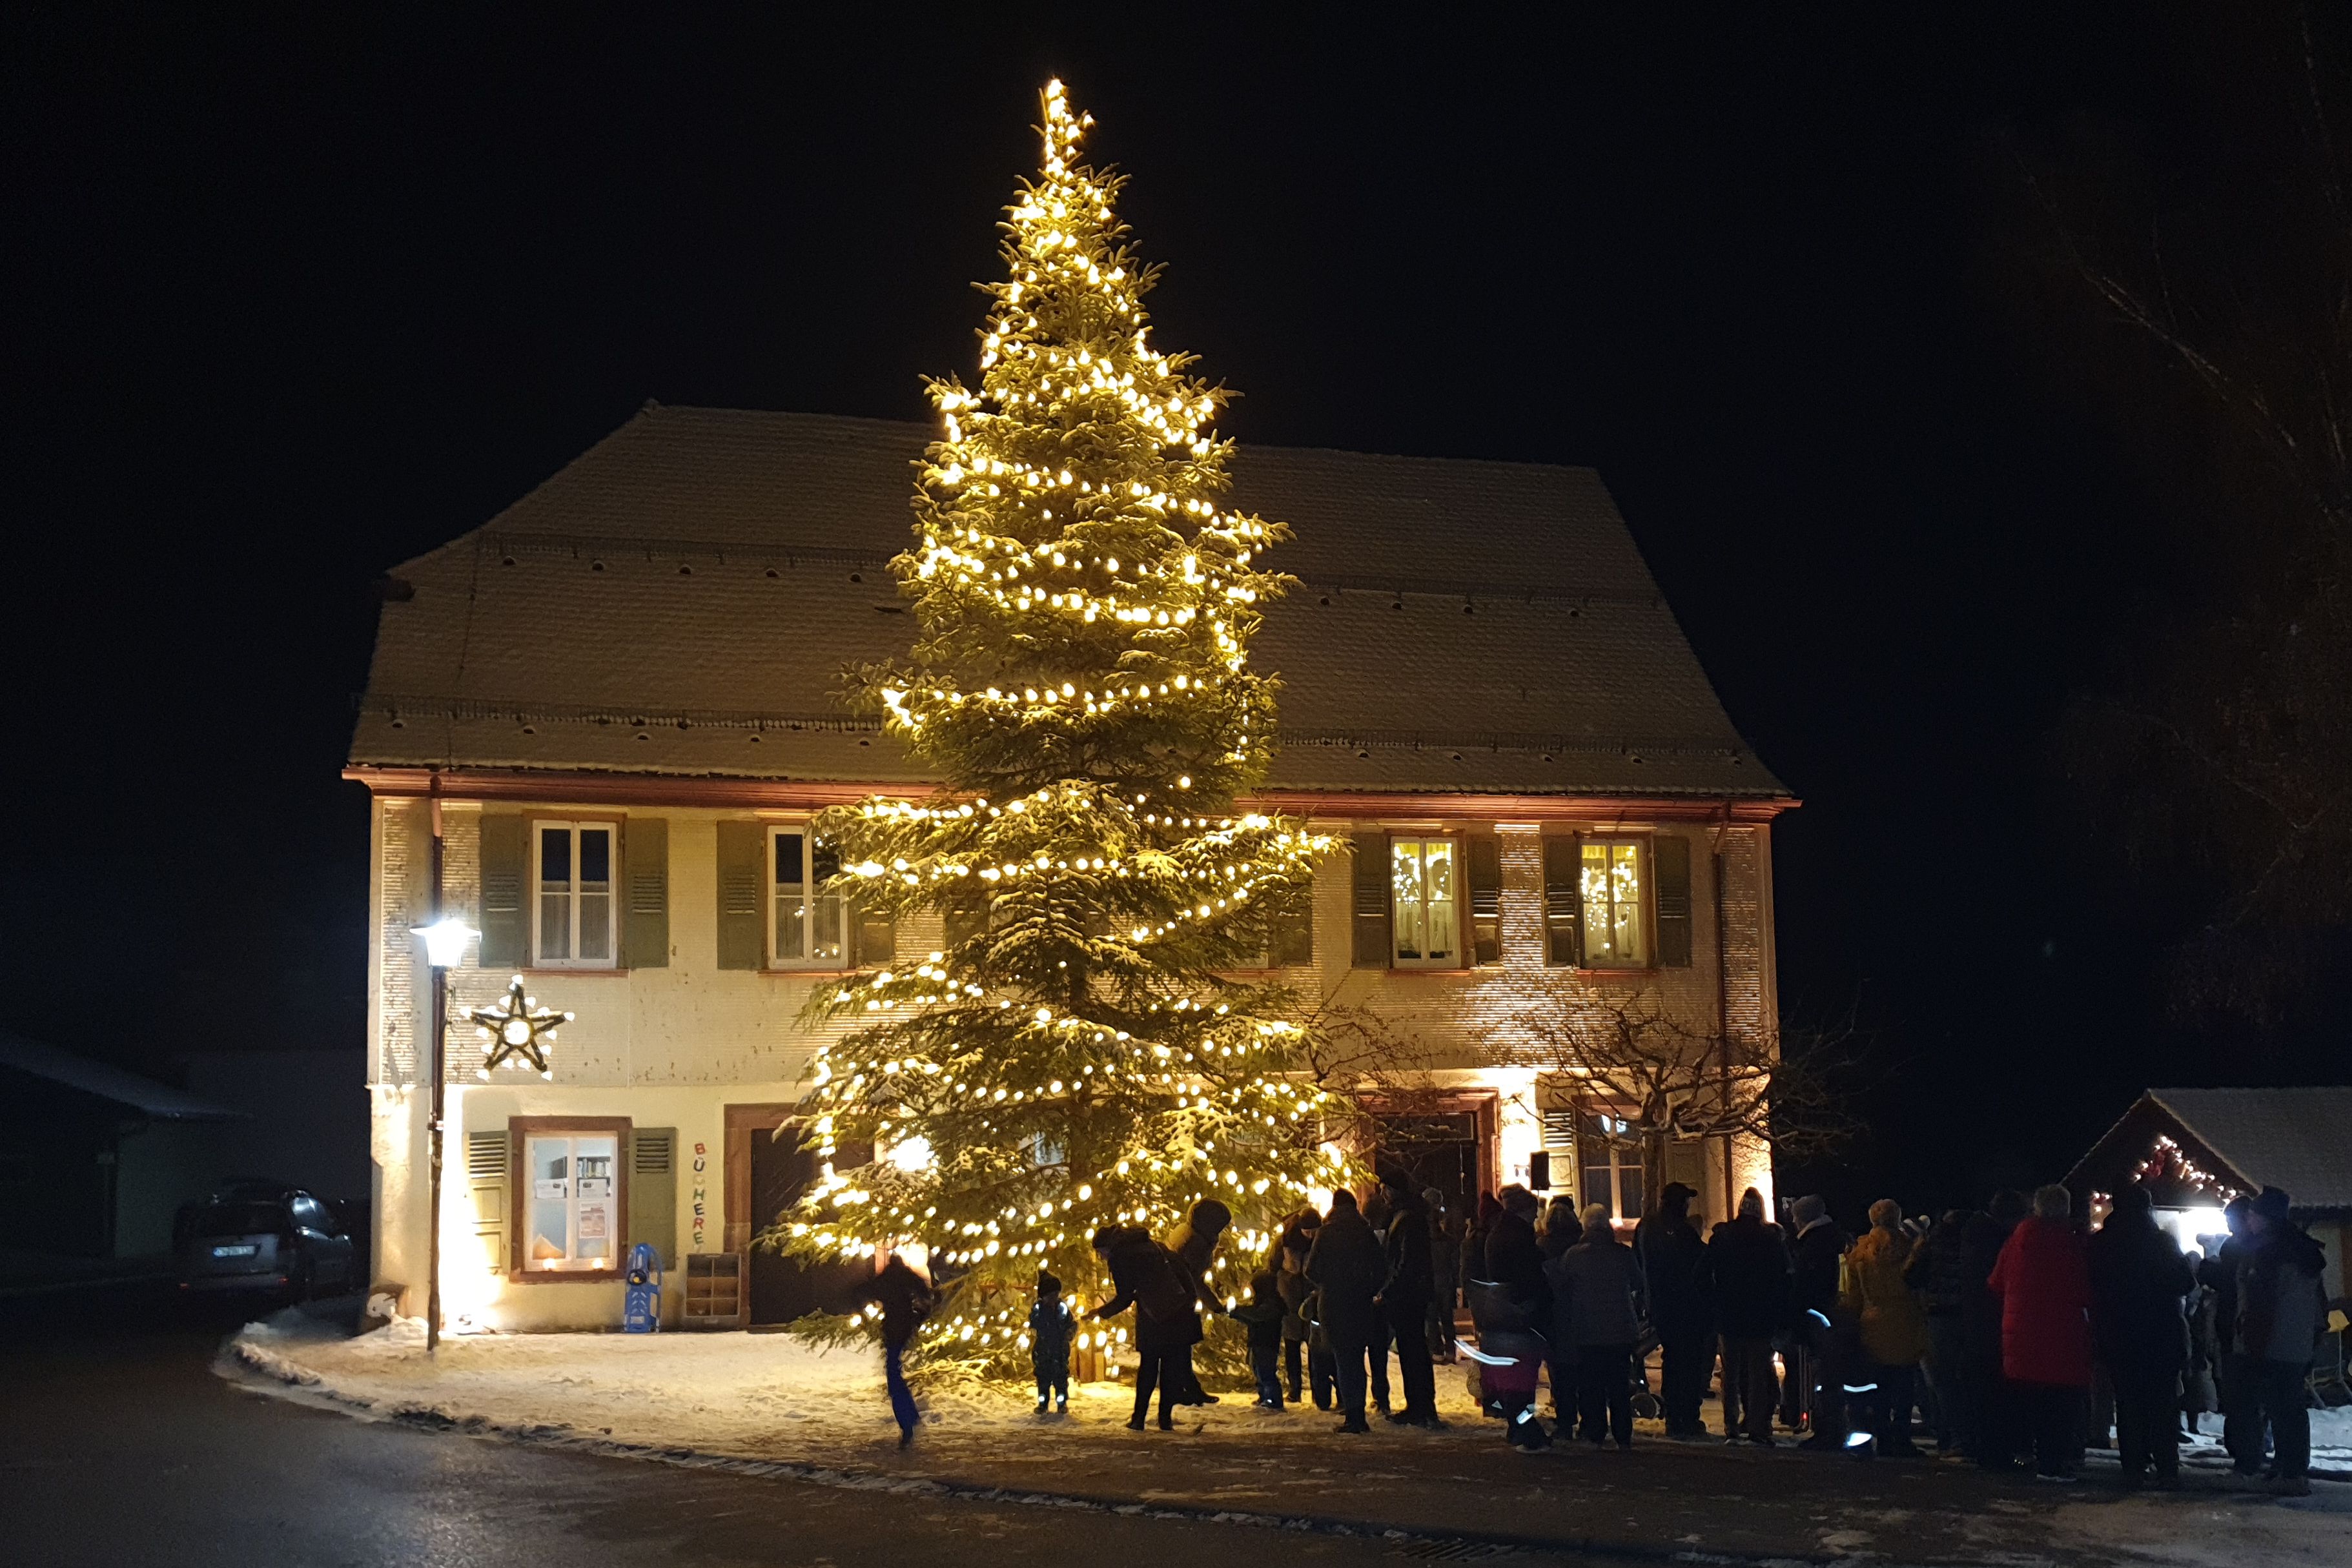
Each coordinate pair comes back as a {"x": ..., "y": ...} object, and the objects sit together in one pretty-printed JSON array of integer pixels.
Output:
[
  {"x": 1745, "y": 1271},
  {"x": 1348, "y": 1269},
  {"x": 1444, "y": 1254},
  {"x": 2198, "y": 1392},
  {"x": 1193, "y": 1244},
  {"x": 1814, "y": 1259},
  {"x": 1474, "y": 1242},
  {"x": 2138, "y": 1277},
  {"x": 2241, "y": 1422},
  {"x": 905, "y": 1300},
  {"x": 1263, "y": 1314},
  {"x": 1515, "y": 1257},
  {"x": 1562, "y": 1226},
  {"x": 1296, "y": 1288},
  {"x": 1670, "y": 1248},
  {"x": 1376, "y": 1212},
  {"x": 1998, "y": 1428},
  {"x": 1147, "y": 1277},
  {"x": 1598, "y": 1303},
  {"x": 2044, "y": 1285},
  {"x": 2282, "y": 1317},
  {"x": 1404, "y": 1299},
  {"x": 1939, "y": 1272},
  {"x": 1050, "y": 1324}
]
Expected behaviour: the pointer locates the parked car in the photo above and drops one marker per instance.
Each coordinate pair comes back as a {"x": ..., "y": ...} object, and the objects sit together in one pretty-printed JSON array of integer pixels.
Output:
[{"x": 261, "y": 1237}]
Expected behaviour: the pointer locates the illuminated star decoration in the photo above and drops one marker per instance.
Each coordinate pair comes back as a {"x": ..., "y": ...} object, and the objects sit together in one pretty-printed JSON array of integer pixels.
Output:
[{"x": 516, "y": 1030}]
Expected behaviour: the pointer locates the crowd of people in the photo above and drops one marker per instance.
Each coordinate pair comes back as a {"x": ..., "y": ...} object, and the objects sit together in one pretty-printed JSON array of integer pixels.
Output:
[{"x": 2016, "y": 1332}]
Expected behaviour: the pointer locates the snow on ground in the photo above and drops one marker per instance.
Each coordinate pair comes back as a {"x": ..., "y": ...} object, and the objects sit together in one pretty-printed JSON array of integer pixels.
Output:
[
  {"x": 764, "y": 1394},
  {"x": 772, "y": 1398}
]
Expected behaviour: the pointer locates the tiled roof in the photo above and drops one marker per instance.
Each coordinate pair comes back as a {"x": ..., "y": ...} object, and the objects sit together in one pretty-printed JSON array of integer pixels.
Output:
[
  {"x": 2299, "y": 1139},
  {"x": 684, "y": 598}
]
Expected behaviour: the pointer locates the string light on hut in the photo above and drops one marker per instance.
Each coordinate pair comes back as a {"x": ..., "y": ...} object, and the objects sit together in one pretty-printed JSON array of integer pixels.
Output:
[{"x": 516, "y": 1031}]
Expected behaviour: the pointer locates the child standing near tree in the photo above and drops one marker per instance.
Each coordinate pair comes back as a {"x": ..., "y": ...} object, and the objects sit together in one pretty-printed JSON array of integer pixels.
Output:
[
  {"x": 1264, "y": 1315},
  {"x": 1049, "y": 1345}
]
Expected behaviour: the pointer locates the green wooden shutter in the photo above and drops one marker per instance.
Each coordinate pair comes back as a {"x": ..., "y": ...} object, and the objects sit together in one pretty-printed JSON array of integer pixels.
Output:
[
  {"x": 1293, "y": 944},
  {"x": 488, "y": 1157},
  {"x": 1563, "y": 899},
  {"x": 742, "y": 879},
  {"x": 963, "y": 915},
  {"x": 1670, "y": 868},
  {"x": 1486, "y": 897},
  {"x": 1373, "y": 944},
  {"x": 644, "y": 859},
  {"x": 653, "y": 1191},
  {"x": 505, "y": 933}
]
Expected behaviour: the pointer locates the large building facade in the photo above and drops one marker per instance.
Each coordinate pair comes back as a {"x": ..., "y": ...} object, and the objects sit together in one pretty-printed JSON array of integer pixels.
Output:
[{"x": 615, "y": 705}]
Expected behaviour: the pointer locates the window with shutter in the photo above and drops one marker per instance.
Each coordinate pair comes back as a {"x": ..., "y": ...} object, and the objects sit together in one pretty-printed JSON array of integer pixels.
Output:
[
  {"x": 1564, "y": 877},
  {"x": 813, "y": 922},
  {"x": 1670, "y": 864},
  {"x": 504, "y": 927},
  {"x": 1427, "y": 916},
  {"x": 487, "y": 1160},
  {"x": 1371, "y": 950},
  {"x": 1485, "y": 898},
  {"x": 572, "y": 908},
  {"x": 646, "y": 855},
  {"x": 742, "y": 870},
  {"x": 1616, "y": 932}
]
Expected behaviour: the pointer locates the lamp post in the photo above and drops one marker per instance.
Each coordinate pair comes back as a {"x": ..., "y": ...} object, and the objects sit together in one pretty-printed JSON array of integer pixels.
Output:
[{"x": 444, "y": 947}]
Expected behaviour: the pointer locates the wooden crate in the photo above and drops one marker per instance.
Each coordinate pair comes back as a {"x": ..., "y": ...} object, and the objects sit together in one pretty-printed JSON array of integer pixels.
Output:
[{"x": 715, "y": 1292}]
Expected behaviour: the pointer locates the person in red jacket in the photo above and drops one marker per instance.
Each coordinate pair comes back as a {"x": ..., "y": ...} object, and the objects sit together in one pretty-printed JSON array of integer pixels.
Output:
[{"x": 2043, "y": 1281}]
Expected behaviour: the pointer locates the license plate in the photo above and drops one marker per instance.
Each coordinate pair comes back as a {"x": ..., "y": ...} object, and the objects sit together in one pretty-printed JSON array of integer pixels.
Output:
[{"x": 246, "y": 1250}]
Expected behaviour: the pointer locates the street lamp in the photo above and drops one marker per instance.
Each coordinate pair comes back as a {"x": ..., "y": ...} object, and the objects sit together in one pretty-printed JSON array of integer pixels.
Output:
[{"x": 444, "y": 947}]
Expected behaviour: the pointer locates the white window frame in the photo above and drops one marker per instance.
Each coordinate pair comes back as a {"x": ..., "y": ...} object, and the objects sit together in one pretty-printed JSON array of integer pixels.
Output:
[
  {"x": 1644, "y": 895},
  {"x": 1621, "y": 1158},
  {"x": 611, "y": 959},
  {"x": 613, "y": 1201},
  {"x": 1454, "y": 857},
  {"x": 845, "y": 914}
]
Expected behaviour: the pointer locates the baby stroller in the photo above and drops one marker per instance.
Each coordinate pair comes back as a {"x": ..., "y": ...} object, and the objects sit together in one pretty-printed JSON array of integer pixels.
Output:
[
  {"x": 1505, "y": 1362},
  {"x": 1646, "y": 1404}
]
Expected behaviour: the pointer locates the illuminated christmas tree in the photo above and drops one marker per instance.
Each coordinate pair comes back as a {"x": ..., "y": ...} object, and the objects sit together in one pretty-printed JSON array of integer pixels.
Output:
[{"x": 1076, "y": 1053}]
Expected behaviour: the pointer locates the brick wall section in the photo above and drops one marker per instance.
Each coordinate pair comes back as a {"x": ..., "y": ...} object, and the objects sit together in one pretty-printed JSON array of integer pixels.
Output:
[{"x": 407, "y": 851}]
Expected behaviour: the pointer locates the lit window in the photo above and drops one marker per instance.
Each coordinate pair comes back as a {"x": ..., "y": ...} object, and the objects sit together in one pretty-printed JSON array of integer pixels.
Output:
[
  {"x": 1612, "y": 889},
  {"x": 807, "y": 928},
  {"x": 572, "y": 919},
  {"x": 1611, "y": 1157},
  {"x": 1426, "y": 923},
  {"x": 572, "y": 1208}
]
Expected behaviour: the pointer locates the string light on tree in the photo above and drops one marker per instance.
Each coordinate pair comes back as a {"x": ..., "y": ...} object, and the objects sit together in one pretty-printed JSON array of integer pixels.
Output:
[
  {"x": 516, "y": 1031},
  {"x": 1078, "y": 1052}
]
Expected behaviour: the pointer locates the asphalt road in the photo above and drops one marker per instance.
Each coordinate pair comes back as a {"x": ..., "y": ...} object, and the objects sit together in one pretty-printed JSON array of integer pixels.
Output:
[{"x": 122, "y": 1447}]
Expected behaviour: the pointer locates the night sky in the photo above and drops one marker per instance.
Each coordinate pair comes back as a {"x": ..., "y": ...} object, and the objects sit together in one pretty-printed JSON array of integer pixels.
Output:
[{"x": 293, "y": 298}]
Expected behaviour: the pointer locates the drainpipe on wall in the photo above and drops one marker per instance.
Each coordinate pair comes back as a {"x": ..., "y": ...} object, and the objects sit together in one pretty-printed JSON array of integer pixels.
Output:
[
  {"x": 434, "y": 1075},
  {"x": 1722, "y": 1022}
]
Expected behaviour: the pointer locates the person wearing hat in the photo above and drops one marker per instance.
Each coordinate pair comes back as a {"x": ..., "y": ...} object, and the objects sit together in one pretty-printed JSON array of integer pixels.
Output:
[
  {"x": 1670, "y": 1248},
  {"x": 1893, "y": 1328},
  {"x": 2282, "y": 1317},
  {"x": 1746, "y": 1273}
]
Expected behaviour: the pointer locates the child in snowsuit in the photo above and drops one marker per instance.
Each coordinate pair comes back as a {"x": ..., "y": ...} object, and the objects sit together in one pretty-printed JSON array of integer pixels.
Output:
[
  {"x": 1049, "y": 1345},
  {"x": 1264, "y": 1315}
]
